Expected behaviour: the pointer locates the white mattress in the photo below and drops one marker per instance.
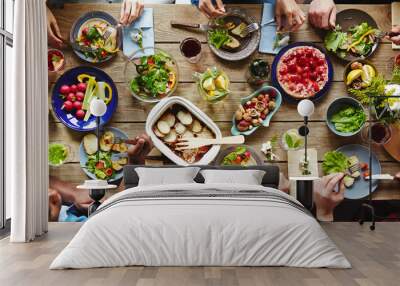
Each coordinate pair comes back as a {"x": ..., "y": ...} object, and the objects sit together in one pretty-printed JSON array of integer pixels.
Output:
[{"x": 202, "y": 231}]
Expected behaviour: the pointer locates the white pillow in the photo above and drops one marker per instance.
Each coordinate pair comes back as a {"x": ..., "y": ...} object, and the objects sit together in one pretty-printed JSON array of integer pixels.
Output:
[
  {"x": 243, "y": 177},
  {"x": 166, "y": 176}
]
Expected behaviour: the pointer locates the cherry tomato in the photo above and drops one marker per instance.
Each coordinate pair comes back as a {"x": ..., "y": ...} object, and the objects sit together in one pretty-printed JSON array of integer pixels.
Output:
[
  {"x": 85, "y": 30},
  {"x": 77, "y": 105},
  {"x": 99, "y": 165},
  {"x": 80, "y": 114},
  {"x": 150, "y": 61},
  {"x": 71, "y": 97},
  {"x": 81, "y": 87},
  {"x": 247, "y": 154},
  {"x": 65, "y": 89},
  {"x": 80, "y": 96},
  {"x": 73, "y": 88},
  {"x": 238, "y": 159},
  {"x": 109, "y": 172},
  {"x": 364, "y": 166},
  {"x": 366, "y": 174},
  {"x": 68, "y": 106},
  {"x": 103, "y": 53}
]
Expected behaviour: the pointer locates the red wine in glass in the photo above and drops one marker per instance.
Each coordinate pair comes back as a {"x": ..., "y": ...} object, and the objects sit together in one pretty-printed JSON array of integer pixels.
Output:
[
  {"x": 380, "y": 133},
  {"x": 191, "y": 49}
]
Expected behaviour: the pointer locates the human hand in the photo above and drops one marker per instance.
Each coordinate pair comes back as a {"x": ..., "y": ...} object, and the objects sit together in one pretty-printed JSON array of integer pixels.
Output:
[
  {"x": 139, "y": 148},
  {"x": 322, "y": 14},
  {"x": 130, "y": 11},
  {"x": 81, "y": 199},
  {"x": 55, "y": 202},
  {"x": 397, "y": 176},
  {"x": 325, "y": 196},
  {"x": 211, "y": 11},
  {"x": 395, "y": 39},
  {"x": 53, "y": 31},
  {"x": 288, "y": 15}
]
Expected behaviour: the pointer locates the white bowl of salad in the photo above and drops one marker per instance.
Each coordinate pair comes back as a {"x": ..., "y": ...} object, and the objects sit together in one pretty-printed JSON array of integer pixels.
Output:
[{"x": 151, "y": 74}]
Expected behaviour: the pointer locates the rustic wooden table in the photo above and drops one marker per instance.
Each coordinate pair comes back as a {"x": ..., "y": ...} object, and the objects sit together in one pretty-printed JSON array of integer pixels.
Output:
[{"x": 131, "y": 114}]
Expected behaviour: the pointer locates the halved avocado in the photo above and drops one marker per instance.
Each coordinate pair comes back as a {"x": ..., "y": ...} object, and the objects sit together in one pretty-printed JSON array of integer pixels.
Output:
[
  {"x": 239, "y": 29},
  {"x": 233, "y": 43}
]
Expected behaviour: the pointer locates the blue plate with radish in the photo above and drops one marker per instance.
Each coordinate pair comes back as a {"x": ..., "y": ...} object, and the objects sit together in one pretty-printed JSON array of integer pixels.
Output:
[{"x": 74, "y": 91}]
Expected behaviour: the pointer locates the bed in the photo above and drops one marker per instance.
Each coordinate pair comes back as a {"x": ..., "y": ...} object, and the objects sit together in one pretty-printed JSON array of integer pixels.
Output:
[{"x": 201, "y": 224}]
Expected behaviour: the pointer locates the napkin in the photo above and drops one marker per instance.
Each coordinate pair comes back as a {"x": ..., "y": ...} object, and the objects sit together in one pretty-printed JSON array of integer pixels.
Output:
[
  {"x": 268, "y": 33},
  {"x": 145, "y": 23}
]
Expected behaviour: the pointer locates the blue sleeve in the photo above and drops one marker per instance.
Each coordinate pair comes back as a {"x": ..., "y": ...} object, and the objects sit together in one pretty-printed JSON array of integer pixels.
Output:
[{"x": 195, "y": 2}]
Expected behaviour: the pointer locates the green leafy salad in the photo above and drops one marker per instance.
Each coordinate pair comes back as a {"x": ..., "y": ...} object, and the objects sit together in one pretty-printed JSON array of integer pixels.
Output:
[
  {"x": 348, "y": 119},
  {"x": 156, "y": 77},
  {"x": 102, "y": 168},
  {"x": 335, "y": 162},
  {"x": 358, "y": 40},
  {"x": 58, "y": 153}
]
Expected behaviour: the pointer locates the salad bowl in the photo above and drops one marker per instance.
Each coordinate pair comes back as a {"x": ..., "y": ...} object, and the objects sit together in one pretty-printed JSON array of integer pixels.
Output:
[
  {"x": 339, "y": 105},
  {"x": 79, "y": 25},
  {"x": 267, "y": 120},
  {"x": 161, "y": 74},
  {"x": 348, "y": 19}
]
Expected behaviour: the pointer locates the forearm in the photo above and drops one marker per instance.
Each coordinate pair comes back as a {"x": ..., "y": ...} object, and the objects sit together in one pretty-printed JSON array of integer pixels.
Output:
[
  {"x": 65, "y": 189},
  {"x": 324, "y": 214}
]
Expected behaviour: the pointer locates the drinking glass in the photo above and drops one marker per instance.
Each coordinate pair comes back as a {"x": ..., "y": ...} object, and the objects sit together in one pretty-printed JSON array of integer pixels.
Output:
[
  {"x": 191, "y": 49},
  {"x": 381, "y": 133}
]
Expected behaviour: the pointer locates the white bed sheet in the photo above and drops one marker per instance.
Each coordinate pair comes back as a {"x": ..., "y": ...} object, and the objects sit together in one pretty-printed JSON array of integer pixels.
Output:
[{"x": 200, "y": 232}]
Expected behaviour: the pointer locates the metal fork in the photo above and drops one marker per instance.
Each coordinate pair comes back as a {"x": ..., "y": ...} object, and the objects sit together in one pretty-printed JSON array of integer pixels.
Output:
[
  {"x": 192, "y": 143},
  {"x": 249, "y": 29},
  {"x": 381, "y": 34}
]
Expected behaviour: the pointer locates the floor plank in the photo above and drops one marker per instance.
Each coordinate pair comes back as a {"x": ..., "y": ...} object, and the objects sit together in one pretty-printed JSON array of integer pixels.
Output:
[{"x": 375, "y": 258}]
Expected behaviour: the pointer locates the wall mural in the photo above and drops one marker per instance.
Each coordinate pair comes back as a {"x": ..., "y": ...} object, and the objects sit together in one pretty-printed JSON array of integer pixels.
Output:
[{"x": 293, "y": 105}]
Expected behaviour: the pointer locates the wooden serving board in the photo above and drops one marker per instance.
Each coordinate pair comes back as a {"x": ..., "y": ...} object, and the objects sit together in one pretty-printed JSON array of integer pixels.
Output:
[{"x": 393, "y": 146}]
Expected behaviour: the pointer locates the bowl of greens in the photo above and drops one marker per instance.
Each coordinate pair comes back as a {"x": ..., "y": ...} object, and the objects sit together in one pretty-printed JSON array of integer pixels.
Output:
[
  {"x": 345, "y": 116},
  {"x": 354, "y": 36},
  {"x": 151, "y": 74}
]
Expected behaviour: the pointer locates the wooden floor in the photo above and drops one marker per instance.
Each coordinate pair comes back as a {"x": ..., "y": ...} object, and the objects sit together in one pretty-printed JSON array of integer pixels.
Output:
[{"x": 375, "y": 257}]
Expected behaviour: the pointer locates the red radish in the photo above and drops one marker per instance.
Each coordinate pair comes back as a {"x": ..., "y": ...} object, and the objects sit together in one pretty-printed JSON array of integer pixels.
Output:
[
  {"x": 80, "y": 114},
  {"x": 80, "y": 96},
  {"x": 68, "y": 105},
  {"x": 81, "y": 87},
  {"x": 65, "y": 89},
  {"x": 247, "y": 154},
  {"x": 73, "y": 88},
  {"x": 77, "y": 105},
  {"x": 71, "y": 97}
]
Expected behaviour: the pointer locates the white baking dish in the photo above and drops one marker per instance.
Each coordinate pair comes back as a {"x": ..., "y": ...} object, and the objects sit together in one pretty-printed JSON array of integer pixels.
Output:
[{"x": 160, "y": 109}]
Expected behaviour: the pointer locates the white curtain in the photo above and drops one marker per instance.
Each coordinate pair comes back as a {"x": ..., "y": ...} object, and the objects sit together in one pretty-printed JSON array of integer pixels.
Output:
[{"x": 27, "y": 124}]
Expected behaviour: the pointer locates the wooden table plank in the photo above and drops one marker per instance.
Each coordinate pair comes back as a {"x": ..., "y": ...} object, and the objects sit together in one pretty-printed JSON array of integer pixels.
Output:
[
  {"x": 132, "y": 110},
  {"x": 235, "y": 70},
  {"x": 73, "y": 173},
  {"x": 320, "y": 137},
  {"x": 164, "y": 13}
]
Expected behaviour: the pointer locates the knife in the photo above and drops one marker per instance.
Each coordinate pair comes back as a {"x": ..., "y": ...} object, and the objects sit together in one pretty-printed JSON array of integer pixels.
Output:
[{"x": 201, "y": 27}]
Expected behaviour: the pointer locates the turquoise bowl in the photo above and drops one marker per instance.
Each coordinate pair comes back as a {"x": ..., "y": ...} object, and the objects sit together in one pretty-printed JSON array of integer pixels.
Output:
[
  {"x": 337, "y": 105},
  {"x": 265, "y": 123}
]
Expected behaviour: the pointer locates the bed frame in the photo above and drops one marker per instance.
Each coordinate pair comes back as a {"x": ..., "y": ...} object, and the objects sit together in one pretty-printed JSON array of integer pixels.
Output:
[{"x": 271, "y": 177}]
